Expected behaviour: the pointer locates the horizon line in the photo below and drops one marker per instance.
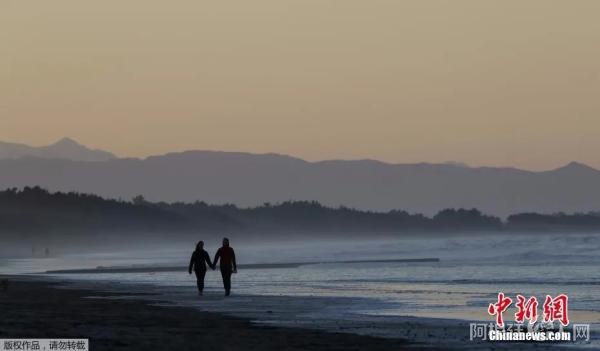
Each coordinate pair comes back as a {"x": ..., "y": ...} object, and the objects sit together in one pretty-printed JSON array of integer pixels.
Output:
[{"x": 452, "y": 163}]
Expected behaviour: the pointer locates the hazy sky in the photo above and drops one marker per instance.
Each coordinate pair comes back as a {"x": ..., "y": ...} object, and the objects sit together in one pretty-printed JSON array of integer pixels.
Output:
[{"x": 485, "y": 82}]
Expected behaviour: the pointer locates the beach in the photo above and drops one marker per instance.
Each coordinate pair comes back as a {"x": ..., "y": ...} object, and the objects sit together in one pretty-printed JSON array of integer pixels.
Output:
[
  {"x": 146, "y": 297},
  {"x": 38, "y": 308}
]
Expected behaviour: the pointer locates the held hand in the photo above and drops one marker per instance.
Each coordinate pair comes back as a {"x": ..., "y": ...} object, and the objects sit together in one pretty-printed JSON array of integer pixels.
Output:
[{"x": 190, "y": 272}]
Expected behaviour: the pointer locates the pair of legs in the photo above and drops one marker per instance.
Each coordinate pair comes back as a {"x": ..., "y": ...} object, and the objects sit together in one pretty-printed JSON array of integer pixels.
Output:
[
  {"x": 226, "y": 274},
  {"x": 200, "y": 273}
]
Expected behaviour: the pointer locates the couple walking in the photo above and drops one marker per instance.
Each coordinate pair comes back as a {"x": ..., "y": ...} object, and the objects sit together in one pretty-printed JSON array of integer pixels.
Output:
[{"x": 227, "y": 266}]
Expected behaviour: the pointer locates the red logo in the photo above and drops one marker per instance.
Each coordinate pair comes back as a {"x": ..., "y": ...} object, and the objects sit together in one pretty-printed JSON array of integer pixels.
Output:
[
  {"x": 555, "y": 309},
  {"x": 526, "y": 310},
  {"x": 499, "y": 307}
]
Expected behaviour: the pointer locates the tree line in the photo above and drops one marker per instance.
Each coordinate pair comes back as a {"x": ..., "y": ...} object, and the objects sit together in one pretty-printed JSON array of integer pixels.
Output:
[{"x": 34, "y": 209}]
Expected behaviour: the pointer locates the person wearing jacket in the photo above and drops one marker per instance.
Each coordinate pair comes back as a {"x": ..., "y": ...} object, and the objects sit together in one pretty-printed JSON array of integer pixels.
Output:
[
  {"x": 228, "y": 264},
  {"x": 198, "y": 262}
]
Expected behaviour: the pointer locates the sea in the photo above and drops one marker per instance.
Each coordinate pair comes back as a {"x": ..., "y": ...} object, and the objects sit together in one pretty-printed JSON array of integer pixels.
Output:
[{"x": 425, "y": 302}]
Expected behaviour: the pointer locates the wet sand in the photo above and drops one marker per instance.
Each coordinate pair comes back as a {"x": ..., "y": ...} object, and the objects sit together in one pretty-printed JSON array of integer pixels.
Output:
[{"x": 35, "y": 308}]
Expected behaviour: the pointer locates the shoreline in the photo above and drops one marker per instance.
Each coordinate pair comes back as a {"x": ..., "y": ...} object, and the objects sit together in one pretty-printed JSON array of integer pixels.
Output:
[
  {"x": 154, "y": 269},
  {"x": 136, "y": 317},
  {"x": 40, "y": 308}
]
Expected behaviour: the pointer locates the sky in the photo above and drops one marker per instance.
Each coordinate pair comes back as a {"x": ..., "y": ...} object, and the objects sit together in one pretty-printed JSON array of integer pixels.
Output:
[{"x": 503, "y": 83}]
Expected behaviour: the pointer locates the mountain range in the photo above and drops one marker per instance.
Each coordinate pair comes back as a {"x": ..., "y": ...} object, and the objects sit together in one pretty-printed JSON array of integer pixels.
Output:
[
  {"x": 248, "y": 179},
  {"x": 65, "y": 148}
]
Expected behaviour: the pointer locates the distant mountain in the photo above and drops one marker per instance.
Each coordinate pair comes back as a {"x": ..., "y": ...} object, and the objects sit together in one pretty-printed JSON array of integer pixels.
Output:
[
  {"x": 250, "y": 179},
  {"x": 65, "y": 148}
]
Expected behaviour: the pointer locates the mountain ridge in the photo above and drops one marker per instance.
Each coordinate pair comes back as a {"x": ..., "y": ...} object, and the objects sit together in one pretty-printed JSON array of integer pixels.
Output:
[
  {"x": 65, "y": 148},
  {"x": 248, "y": 179},
  {"x": 67, "y": 142}
]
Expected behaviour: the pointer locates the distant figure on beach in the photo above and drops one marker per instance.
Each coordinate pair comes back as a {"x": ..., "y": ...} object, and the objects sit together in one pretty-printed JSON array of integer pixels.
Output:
[
  {"x": 197, "y": 263},
  {"x": 227, "y": 266}
]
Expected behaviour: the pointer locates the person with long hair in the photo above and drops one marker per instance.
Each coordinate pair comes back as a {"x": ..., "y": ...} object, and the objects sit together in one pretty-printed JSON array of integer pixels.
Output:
[{"x": 198, "y": 262}]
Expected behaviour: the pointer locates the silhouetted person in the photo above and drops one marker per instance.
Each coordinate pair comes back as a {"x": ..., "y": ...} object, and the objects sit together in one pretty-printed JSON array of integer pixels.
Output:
[
  {"x": 197, "y": 263},
  {"x": 227, "y": 266}
]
